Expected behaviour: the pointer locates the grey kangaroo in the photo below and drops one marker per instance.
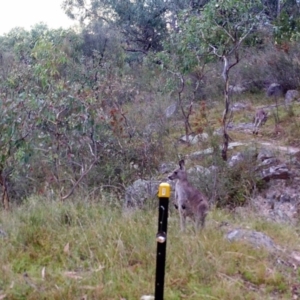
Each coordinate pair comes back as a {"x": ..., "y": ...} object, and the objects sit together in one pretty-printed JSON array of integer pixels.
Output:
[
  {"x": 260, "y": 119},
  {"x": 189, "y": 201}
]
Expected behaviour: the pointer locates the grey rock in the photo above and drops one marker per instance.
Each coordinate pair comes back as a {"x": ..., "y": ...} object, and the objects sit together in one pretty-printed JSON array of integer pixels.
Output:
[
  {"x": 287, "y": 149},
  {"x": 235, "y": 159},
  {"x": 194, "y": 139},
  {"x": 278, "y": 215},
  {"x": 3, "y": 233},
  {"x": 239, "y": 106},
  {"x": 290, "y": 96},
  {"x": 285, "y": 198},
  {"x": 275, "y": 90},
  {"x": 198, "y": 170},
  {"x": 166, "y": 168},
  {"x": 237, "y": 89},
  {"x": 274, "y": 195},
  {"x": 268, "y": 162},
  {"x": 199, "y": 154},
  {"x": 170, "y": 110},
  {"x": 276, "y": 172},
  {"x": 241, "y": 127},
  {"x": 139, "y": 192},
  {"x": 265, "y": 154},
  {"x": 255, "y": 238}
]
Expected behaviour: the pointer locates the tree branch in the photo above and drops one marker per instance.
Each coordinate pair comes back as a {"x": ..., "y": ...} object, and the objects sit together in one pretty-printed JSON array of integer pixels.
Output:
[{"x": 79, "y": 180}]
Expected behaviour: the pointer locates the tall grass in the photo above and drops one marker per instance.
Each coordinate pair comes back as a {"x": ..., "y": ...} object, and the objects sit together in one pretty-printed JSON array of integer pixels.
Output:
[{"x": 82, "y": 250}]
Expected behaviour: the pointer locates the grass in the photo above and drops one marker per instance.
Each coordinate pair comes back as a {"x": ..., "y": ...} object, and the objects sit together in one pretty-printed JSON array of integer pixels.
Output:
[
  {"x": 91, "y": 250},
  {"x": 81, "y": 250}
]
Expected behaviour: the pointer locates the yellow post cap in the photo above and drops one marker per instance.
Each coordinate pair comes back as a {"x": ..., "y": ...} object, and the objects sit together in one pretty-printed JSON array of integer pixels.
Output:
[{"x": 164, "y": 190}]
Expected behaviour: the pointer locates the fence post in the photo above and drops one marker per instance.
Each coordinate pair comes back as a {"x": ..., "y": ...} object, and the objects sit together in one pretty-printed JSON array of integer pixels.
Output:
[{"x": 161, "y": 238}]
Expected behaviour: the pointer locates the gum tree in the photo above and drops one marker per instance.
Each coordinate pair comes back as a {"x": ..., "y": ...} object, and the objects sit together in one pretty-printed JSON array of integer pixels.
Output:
[
  {"x": 143, "y": 24},
  {"x": 219, "y": 31},
  {"x": 227, "y": 24}
]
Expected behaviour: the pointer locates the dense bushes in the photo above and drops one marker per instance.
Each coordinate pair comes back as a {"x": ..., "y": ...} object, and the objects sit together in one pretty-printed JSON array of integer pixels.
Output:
[{"x": 78, "y": 118}]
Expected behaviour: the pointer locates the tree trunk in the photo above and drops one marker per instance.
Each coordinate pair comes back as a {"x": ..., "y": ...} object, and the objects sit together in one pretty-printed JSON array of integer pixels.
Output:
[
  {"x": 5, "y": 197},
  {"x": 226, "y": 110}
]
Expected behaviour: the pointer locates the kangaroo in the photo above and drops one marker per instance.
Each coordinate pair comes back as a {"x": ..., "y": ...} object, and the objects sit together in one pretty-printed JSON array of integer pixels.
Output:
[
  {"x": 260, "y": 119},
  {"x": 189, "y": 201}
]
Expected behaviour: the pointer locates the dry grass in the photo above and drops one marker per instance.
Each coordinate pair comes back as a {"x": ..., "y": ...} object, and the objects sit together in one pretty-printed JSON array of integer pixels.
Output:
[{"x": 91, "y": 251}]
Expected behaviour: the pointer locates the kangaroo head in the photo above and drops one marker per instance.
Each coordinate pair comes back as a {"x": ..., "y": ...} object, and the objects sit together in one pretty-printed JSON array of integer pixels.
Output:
[
  {"x": 266, "y": 115},
  {"x": 261, "y": 114},
  {"x": 178, "y": 173}
]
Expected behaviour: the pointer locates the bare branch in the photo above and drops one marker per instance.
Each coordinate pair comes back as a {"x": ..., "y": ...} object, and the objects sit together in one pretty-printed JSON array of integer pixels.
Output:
[
  {"x": 79, "y": 180},
  {"x": 223, "y": 28},
  {"x": 91, "y": 150},
  {"x": 215, "y": 51}
]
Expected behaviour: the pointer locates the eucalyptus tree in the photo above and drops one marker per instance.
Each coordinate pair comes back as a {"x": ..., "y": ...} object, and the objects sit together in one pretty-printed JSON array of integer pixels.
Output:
[
  {"x": 144, "y": 24},
  {"x": 286, "y": 21},
  {"x": 224, "y": 28},
  {"x": 217, "y": 32},
  {"x": 274, "y": 8}
]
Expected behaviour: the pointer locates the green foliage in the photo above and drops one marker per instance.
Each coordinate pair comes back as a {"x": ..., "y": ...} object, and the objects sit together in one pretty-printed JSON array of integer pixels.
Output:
[
  {"x": 86, "y": 104},
  {"x": 238, "y": 186},
  {"x": 225, "y": 23},
  {"x": 218, "y": 30},
  {"x": 78, "y": 112},
  {"x": 16, "y": 132},
  {"x": 72, "y": 107},
  {"x": 143, "y": 24},
  {"x": 229, "y": 186},
  {"x": 287, "y": 27},
  {"x": 49, "y": 61}
]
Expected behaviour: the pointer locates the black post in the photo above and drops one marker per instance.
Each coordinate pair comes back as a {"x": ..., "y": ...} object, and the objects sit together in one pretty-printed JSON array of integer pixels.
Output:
[{"x": 161, "y": 238}]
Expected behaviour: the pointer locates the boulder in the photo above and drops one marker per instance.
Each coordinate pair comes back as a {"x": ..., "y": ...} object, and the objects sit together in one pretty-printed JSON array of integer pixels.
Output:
[
  {"x": 276, "y": 172},
  {"x": 275, "y": 90},
  {"x": 290, "y": 96},
  {"x": 255, "y": 238},
  {"x": 166, "y": 168},
  {"x": 237, "y": 89},
  {"x": 264, "y": 154},
  {"x": 194, "y": 139},
  {"x": 137, "y": 194},
  {"x": 235, "y": 159}
]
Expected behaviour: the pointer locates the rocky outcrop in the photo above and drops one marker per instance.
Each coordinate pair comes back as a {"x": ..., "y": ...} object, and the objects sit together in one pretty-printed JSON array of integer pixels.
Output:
[
  {"x": 280, "y": 199},
  {"x": 276, "y": 172}
]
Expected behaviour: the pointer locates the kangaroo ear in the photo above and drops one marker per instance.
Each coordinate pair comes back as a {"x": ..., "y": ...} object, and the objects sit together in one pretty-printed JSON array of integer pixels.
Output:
[{"x": 181, "y": 164}]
